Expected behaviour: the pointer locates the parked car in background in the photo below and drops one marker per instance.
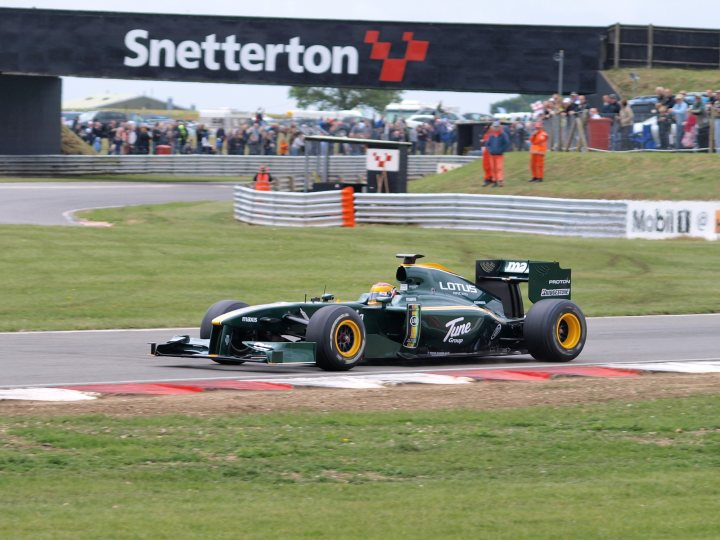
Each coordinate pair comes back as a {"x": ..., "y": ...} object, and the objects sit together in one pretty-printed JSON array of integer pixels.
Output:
[
  {"x": 69, "y": 117},
  {"x": 478, "y": 117},
  {"x": 104, "y": 117},
  {"x": 418, "y": 119}
]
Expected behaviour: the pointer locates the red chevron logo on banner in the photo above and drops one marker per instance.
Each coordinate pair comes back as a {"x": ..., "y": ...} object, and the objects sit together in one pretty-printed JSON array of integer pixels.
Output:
[{"x": 393, "y": 69}]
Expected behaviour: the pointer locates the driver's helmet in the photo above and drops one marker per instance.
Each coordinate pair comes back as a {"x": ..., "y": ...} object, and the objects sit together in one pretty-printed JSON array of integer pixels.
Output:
[{"x": 380, "y": 290}]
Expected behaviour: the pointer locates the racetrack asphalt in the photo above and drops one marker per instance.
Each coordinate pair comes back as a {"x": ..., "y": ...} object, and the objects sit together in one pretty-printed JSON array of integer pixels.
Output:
[
  {"x": 52, "y": 203},
  {"x": 107, "y": 356},
  {"x": 114, "y": 356}
]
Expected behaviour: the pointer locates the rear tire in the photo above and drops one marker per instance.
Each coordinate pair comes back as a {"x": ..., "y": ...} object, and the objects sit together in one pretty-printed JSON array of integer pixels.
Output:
[
  {"x": 339, "y": 336},
  {"x": 218, "y": 308},
  {"x": 555, "y": 330}
]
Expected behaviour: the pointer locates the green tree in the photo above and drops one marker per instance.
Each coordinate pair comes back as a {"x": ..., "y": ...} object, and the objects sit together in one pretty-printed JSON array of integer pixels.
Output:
[
  {"x": 517, "y": 104},
  {"x": 342, "y": 99}
]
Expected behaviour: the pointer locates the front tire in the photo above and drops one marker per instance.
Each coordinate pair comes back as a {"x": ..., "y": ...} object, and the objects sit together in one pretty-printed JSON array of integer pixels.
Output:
[
  {"x": 339, "y": 336},
  {"x": 218, "y": 308},
  {"x": 555, "y": 331}
]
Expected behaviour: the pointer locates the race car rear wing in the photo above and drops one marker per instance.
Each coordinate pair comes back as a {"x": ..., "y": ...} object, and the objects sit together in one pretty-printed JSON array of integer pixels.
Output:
[{"x": 502, "y": 277}]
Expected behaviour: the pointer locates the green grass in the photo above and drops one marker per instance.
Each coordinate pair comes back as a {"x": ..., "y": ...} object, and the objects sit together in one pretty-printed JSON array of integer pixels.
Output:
[
  {"x": 640, "y": 176},
  {"x": 688, "y": 80},
  {"x": 164, "y": 265},
  {"x": 622, "y": 470}
]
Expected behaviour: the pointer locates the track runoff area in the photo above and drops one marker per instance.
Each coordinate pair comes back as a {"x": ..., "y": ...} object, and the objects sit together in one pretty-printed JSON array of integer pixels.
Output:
[{"x": 81, "y": 365}]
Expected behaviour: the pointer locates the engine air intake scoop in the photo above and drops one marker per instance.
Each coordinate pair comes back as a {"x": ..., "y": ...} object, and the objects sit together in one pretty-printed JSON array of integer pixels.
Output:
[{"x": 409, "y": 258}]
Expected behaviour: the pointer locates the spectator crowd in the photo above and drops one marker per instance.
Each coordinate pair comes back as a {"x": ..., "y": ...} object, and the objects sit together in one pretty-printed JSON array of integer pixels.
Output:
[
  {"x": 668, "y": 121},
  {"x": 265, "y": 136}
]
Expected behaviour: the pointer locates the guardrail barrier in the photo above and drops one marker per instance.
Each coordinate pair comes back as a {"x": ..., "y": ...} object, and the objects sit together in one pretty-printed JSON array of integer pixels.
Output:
[
  {"x": 283, "y": 209},
  {"x": 347, "y": 167},
  {"x": 450, "y": 211},
  {"x": 653, "y": 220}
]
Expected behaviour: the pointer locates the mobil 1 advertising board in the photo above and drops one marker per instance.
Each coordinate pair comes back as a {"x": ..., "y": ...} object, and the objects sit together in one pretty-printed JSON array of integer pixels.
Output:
[
  {"x": 673, "y": 219},
  {"x": 304, "y": 52}
]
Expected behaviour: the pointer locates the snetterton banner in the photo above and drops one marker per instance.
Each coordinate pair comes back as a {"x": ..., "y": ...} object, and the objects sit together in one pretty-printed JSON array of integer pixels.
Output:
[{"x": 303, "y": 52}]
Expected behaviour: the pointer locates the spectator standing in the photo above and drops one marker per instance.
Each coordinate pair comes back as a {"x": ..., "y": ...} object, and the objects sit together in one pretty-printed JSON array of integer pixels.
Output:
[
  {"x": 498, "y": 143},
  {"x": 627, "y": 119},
  {"x": 715, "y": 111},
  {"x": 611, "y": 109},
  {"x": 131, "y": 138},
  {"x": 254, "y": 139},
  {"x": 201, "y": 139},
  {"x": 297, "y": 146},
  {"x": 698, "y": 110},
  {"x": 283, "y": 141},
  {"x": 423, "y": 134},
  {"x": 680, "y": 112},
  {"x": 538, "y": 149},
  {"x": 689, "y": 132},
  {"x": 412, "y": 137},
  {"x": 269, "y": 147},
  {"x": 667, "y": 99},
  {"x": 158, "y": 133},
  {"x": 664, "y": 122},
  {"x": 118, "y": 137},
  {"x": 220, "y": 137},
  {"x": 180, "y": 137},
  {"x": 519, "y": 136},
  {"x": 142, "y": 143}
]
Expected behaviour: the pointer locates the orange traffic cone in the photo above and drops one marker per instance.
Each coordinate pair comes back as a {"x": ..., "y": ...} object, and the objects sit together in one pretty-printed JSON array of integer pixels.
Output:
[{"x": 347, "y": 201}]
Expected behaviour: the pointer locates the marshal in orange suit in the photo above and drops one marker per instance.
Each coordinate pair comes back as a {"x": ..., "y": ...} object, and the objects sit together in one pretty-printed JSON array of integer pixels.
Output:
[{"x": 538, "y": 149}]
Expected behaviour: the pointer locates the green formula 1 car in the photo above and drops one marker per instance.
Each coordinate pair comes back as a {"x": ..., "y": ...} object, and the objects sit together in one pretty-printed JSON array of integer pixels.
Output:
[{"x": 434, "y": 313}]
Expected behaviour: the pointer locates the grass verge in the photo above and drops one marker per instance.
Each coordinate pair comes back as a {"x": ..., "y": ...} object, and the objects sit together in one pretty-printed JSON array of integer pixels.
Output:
[
  {"x": 619, "y": 470},
  {"x": 687, "y": 80},
  {"x": 163, "y": 265},
  {"x": 639, "y": 176}
]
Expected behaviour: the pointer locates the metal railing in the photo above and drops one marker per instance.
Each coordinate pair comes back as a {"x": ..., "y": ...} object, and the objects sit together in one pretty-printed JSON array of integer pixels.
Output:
[
  {"x": 349, "y": 167},
  {"x": 655, "y": 46},
  {"x": 562, "y": 217},
  {"x": 283, "y": 209}
]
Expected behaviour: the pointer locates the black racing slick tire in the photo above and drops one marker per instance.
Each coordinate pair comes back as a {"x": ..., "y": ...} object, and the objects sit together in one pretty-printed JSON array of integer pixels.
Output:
[
  {"x": 217, "y": 309},
  {"x": 339, "y": 336},
  {"x": 555, "y": 331}
]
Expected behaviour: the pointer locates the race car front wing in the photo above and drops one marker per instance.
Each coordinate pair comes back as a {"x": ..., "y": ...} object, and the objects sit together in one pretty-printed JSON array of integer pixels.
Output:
[{"x": 264, "y": 352}]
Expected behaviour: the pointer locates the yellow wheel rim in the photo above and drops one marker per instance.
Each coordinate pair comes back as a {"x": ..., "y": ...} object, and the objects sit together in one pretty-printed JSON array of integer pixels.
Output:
[
  {"x": 568, "y": 331},
  {"x": 348, "y": 338}
]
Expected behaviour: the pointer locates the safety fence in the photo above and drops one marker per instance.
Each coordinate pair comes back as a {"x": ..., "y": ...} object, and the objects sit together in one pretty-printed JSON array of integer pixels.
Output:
[
  {"x": 538, "y": 215},
  {"x": 282, "y": 209},
  {"x": 341, "y": 167}
]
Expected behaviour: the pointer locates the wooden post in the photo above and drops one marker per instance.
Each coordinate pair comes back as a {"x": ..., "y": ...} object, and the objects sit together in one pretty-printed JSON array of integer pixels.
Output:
[
  {"x": 650, "y": 46},
  {"x": 382, "y": 181},
  {"x": 713, "y": 133}
]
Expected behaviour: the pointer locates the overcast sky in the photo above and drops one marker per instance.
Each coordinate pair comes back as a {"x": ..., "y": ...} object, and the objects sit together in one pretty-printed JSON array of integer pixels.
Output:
[{"x": 698, "y": 14}]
